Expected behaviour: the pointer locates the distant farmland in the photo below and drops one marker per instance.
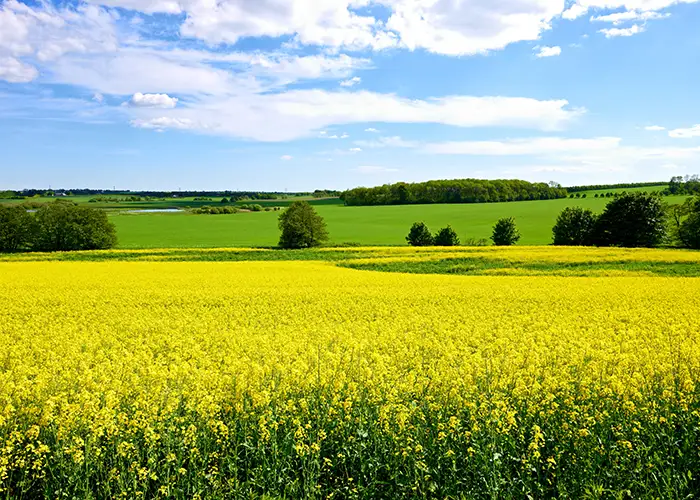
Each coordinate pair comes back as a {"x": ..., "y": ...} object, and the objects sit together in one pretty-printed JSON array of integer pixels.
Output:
[{"x": 383, "y": 225}]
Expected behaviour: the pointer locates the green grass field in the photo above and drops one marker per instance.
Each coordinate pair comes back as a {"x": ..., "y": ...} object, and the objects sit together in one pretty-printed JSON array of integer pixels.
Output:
[{"x": 387, "y": 225}]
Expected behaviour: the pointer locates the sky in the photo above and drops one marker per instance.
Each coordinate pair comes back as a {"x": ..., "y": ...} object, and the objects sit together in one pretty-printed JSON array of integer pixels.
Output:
[{"x": 297, "y": 95}]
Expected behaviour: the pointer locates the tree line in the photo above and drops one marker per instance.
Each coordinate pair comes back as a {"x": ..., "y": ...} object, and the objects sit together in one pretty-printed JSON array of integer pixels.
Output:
[
  {"x": 601, "y": 187},
  {"x": 58, "y": 226},
  {"x": 453, "y": 191},
  {"x": 632, "y": 220}
]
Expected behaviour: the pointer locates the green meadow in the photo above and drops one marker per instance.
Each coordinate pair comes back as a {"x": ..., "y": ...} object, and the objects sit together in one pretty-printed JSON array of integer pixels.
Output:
[{"x": 381, "y": 225}]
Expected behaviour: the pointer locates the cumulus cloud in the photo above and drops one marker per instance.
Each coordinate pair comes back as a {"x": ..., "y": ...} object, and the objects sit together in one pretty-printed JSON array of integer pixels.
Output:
[
  {"x": 371, "y": 130},
  {"x": 351, "y": 82},
  {"x": 163, "y": 101},
  {"x": 454, "y": 28},
  {"x": 685, "y": 133},
  {"x": 548, "y": 51},
  {"x": 654, "y": 128},
  {"x": 624, "y": 32}
]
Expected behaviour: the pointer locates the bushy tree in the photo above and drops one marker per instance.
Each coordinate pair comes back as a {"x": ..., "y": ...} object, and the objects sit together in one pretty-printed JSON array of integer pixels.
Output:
[
  {"x": 419, "y": 235},
  {"x": 302, "y": 227},
  {"x": 505, "y": 232},
  {"x": 16, "y": 228},
  {"x": 689, "y": 229},
  {"x": 575, "y": 227},
  {"x": 632, "y": 220},
  {"x": 63, "y": 226},
  {"x": 446, "y": 237},
  {"x": 689, "y": 233}
]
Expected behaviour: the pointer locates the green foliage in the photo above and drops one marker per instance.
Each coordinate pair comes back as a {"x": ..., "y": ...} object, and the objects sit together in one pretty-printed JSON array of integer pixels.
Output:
[
  {"x": 419, "y": 235},
  {"x": 224, "y": 200},
  {"x": 302, "y": 227},
  {"x": 689, "y": 228},
  {"x": 62, "y": 226},
  {"x": 689, "y": 233},
  {"x": 446, "y": 237},
  {"x": 505, "y": 232},
  {"x": 632, "y": 220},
  {"x": 16, "y": 228},
  {"x": 452, "y": 191},
  {"x": 575, "y": 226}
]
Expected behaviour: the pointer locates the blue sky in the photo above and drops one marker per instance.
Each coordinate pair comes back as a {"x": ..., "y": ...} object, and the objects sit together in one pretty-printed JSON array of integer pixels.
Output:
[{"x": 311, "y": 94}]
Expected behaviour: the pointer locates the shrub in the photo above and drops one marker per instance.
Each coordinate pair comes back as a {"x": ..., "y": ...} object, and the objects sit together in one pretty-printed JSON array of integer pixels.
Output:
[
  {"x": 476, "y": 242},
  {"x": 224, "y": 200},
  {"x": 16, "y": 228},
  {"x": 446, "y": 237},
  {"x": 301, "y": 227},
  {"x": 62, "y": 226},
  {"x": 631, "y": 220},
  {"x": 505, "y": 232},
  {"x": 575, "y": 226},
  {"x": 419, "y": 235}
]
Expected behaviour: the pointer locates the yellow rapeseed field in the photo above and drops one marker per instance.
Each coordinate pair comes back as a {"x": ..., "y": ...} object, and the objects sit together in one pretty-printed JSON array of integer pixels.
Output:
[{"x": 303, "y": 379}]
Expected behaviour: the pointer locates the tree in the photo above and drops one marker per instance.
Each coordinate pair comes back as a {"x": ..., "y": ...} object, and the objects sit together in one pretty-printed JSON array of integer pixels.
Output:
[
  {"x": 676, "y": 215},
  {"x": 63, "y": 226},
  {"x": 689, "y": 229},
  {"x": 419, "y": 235},
  {"x": 632, "y": 220},
  {"x": 446, "y": 237},
  {"x": 16, "y": 228},
  {"x": 689, "y": 233},
  {"x": 505, "y": 232},
  {"x": 302, "y": 227},
  {"x": 574, "y": 227},
  {"x": 224, "y": 200}
]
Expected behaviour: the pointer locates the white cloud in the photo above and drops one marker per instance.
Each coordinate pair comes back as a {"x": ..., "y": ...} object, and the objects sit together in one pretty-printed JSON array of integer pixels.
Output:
[
  {"x": 286, "y": 158},
  {"x": 373, "y": 169},
  {"x": 445, "y": 27},
  {"x": 44, "y": 33},
  {"x": 463, "y": 28},
  {"x": 548, "y": 51},
  {"x": 372, "y": 130},
  {"x": 351, "y": 82},
  {"x": 247, "y": 95},
  {"x": 15, "y": 71},
  {"x": 685, "y": 133},
  {"x": 98, "y": 98},
  {"x": 163, "y": 101},
  {"x": 616, "y": 32},
  {"x": 631, "y": 15},
  {"x": 355, "y": 150},
  {"x": 654, "y": 128},
  {"x": 165, "y": 122},
  {"x": 574, "y": 11}
]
